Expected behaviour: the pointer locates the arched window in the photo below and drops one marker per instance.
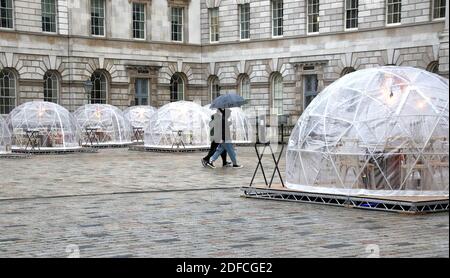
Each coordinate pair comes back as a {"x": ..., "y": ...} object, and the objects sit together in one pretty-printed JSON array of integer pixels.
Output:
[
  {"x": 176, "y": 88},
  {"x": 51, "y": 87},
  {"x": 347, "y": 70},
  {"x": 8, "y": 94},
  {"x": 99, "y": 91},
  {"x": 433, "y": 67},
  {"x": 277, "y": 93},
  {"x": 214, "y": 87},
  {"x": 244, "y": 87}
]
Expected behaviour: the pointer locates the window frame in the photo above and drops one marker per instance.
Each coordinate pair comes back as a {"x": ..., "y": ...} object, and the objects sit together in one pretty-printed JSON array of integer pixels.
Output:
[
  {"x": 277, "y": 96},
  {"x": 14, "y": 98},
  {"x": 179, "y": 79},
  {"x": 214, "y": 87},
  {"x": 244, "y": 82},
  {"x": 181, "y": 26},
  {"x": 244, "y": 21},
  {"x": 277, "y": 19},
  {"x": 55, "y": 15},
  {"x": 104, "y": 19},
  {"x": 148, "y": 94},
  {"x": 11, "y": 10},
  {"x": 309, "y": 15},
  {"x": 346, "y": 19},
  {"x": 93, "y": 90},
  {"x": 399, "y": 3},
  {"x": 49, "y": 75},
  {"x": 214, "y": 29},
  {"x": 143, "y": 21},
  {"x": 305, "y": 76},
  {"x": 433, "y": 9}
]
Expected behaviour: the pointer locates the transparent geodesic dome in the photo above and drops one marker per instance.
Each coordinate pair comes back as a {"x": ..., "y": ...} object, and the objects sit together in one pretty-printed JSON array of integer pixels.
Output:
[
  {"x": 105, "y": 123},
  {"x": 5, "y": 137},
  {"x": 241, "y": 129},
  {"x": 380, "y": 131},
  {"x": 46, "y": 125},
  {"x": 181, "y": 124},
  {"x": 139, "y": 116}
]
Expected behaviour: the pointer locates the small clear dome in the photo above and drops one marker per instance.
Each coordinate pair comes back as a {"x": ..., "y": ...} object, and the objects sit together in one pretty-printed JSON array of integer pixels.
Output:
[
  {"x": 380, "y": 131},
  {"x": 241, "y": 129},
  {"x": 178, "y": 124},
  {"x": 105, "y": 123},
  {"x": 46, "y": 125},
  {"x": 139, "y": 116},
  {"x": 5, "y": 137}
]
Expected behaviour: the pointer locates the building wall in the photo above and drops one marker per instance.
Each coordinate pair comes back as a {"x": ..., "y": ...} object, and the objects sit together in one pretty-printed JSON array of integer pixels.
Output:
[{"x": 417, "y": 42}]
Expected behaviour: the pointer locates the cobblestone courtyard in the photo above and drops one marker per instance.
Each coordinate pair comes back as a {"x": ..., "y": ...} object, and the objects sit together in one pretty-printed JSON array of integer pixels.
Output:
[{"x": 118, "y": 203}]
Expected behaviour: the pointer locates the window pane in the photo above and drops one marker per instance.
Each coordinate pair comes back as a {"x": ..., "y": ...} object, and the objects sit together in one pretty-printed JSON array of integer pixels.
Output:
[
  {"x": 277, "y": 94},
  {"x": 244, "y": 18},
  {"x": 51, "y": 87},
  {"x": 98, "y": 17},
  {"x": 351, "y": 13},
  {"x": 439, "y": 7},
  {"x": 313, "y": 16},
  {"x": 277, "y": 17},
  {"x": 310, "y": 88},
  {"x": 394, "y": 11},
  {"x": 48, "y": 10},
  {"x": 214, "y": 24},
  {"x": 7, "y": 91},
  {"x": 6, "y": 14},
  {"x": 177, "y": 24},
  {"x": 142, "y": 91},
  {"x": 176, "y": 88},
  {"x": 138, "y": 20},
  {"x": 99, "y": 90}
]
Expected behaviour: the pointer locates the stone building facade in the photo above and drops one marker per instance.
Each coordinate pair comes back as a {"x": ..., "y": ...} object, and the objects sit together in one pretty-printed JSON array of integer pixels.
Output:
[{"x": 277, "y": 53}]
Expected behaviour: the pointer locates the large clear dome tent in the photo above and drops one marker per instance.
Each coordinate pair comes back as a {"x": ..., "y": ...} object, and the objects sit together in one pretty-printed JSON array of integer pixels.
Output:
[
  {"x": 139, "y": 117},
  {"x": 381, "y": 131},
  {"x": 104, "y": 124},
  {"x": 241, "y": 128},
  {"x": 181, "y": 124},
  {"x": 5, "y": 137},
  {"x": 45, "y": 126}
]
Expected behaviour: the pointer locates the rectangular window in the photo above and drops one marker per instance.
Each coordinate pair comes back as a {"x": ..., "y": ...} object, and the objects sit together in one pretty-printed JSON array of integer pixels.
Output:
[
  {"x": 48, "y": 8},
  {"x": 351, "y": 14},
  {"x": 138, "y": 20},
  {"x": 309, "y": 88},
  {"x": 142, "y": 92},
  {"x": 439, "y": 7},
  {"x": 98, "y": 17},
  {"x": 177, "y": 24},
  {"x": 277, "y": 18},
  {"x": 6, "y": 14},
  {"x": 313, "y": 16},
  {"x": 244, "y": 21},
  {"x": 394, "y": 11},
  {"x": 214, "y": 24}
]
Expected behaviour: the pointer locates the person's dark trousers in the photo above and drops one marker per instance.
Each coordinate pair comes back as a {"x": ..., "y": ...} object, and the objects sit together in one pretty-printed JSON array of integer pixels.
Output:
[{"x": 212, "y": 150}]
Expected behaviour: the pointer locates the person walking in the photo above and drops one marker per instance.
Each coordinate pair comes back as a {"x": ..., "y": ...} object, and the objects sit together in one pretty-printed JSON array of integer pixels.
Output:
[
  {"x": 214, "y": 144},
  {"x": 225, "y": 145}
]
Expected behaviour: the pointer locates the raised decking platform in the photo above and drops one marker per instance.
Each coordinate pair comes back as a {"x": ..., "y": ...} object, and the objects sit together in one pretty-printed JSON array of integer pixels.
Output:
[
  {"x": 403, "y": 204},
  {"x": 115, "y": 145},
  {"x": 14, "y": 156},
  {"x": 187, "y": 149}
]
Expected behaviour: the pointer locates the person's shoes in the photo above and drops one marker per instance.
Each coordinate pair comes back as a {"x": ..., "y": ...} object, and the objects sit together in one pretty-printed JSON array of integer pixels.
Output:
[
  {"x": 237, "y": 166},
  {"x": 210, "y": 165},
  {"x": 227, "y": 164},
  {"x": 204, "y": 162}
]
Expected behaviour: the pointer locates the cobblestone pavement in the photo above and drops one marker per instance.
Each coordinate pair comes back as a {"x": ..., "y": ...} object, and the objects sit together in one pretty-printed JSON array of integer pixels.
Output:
[{"x": 118, "y": 203}]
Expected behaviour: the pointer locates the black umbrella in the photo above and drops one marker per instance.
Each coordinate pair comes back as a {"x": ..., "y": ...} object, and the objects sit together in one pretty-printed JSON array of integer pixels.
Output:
[{"x": 228, "y": 101}]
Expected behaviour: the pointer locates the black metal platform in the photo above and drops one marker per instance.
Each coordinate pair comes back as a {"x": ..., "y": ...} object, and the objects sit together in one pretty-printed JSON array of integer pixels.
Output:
[
  {"x": 412, "y": 205},
  {"x": 55, "y": 151},
  {"x": 14, "y": 156},
  {"x": 107, "y": 146},
  {"x": 142, "y": 148}
]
